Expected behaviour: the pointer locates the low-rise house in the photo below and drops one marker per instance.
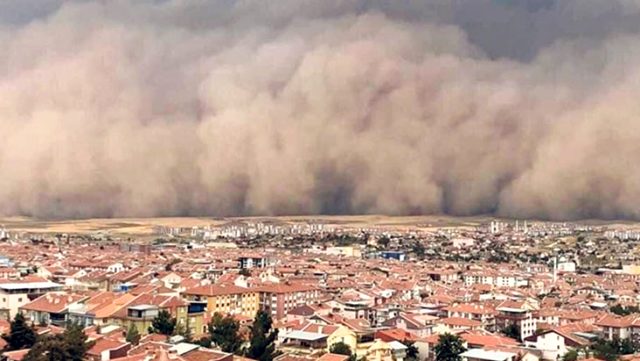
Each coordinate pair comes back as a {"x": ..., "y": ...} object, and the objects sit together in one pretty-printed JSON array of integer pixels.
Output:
[
  {"x": 456, "y": 324},
  {"x": 619, "y": 327},
  {"x": 420, "y": 325},
  {"x": 50, "y": 308},
  {"x": 105, "y": 349},
  {"x": 558, "y": 341}
]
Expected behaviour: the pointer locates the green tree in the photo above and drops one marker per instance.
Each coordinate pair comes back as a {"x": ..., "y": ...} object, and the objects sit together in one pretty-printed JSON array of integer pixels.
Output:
[
  {"x": 418, "y": 250},
  {"x": 605, "y": 350},
  {"x": 611, "y": 350},
  {"x": 512, "y": 331},
  {"x": 204, "y": 341},
  {"x": 225, "y": 333},
  {"x": 184, "y": 331},
  {"x": 340, "y": 348},
  {"x": 245, "y": 272},
  {"x": 48, "y": 348},
  {"x": 620, "y": 310},
  {"x": 163, "y": 323},
  {"x": 169, "y": 266},
  {"x": 71, "y": 345},
  {"x": 449, "y": 348},
  {"x": 76, "y": 342},
  {"x": 571, "y": 355},
  {"x": 263, "y": 337},
  {"x": 412, "y": 351},
  {"x": 626, "y": 346},
  {"x": 133, "y": 336},
  {"x": 20, "y": 335},
  {"x": 383, "y": 242}
]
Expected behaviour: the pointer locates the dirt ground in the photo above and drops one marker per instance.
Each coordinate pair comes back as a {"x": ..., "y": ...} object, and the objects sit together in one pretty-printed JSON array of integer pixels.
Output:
[{"x": 145, "y": 226}]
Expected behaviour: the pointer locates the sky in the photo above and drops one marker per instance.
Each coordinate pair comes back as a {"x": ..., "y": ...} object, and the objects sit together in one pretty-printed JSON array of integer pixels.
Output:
[{"x": 516, "y": 108}]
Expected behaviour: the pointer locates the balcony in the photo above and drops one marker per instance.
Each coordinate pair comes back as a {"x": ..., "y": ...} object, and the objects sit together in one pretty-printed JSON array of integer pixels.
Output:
[
  {"x": 142, "y": 312},
  {"x": 196, "y": 307}
]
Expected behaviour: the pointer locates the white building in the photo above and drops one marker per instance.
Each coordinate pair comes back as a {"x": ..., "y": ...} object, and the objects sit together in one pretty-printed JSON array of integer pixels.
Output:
[{"x": 14, "y": 294}]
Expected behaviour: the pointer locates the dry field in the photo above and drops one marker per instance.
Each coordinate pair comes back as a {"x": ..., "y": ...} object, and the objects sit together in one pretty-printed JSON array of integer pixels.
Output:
[{"x": 145, "y": 226}]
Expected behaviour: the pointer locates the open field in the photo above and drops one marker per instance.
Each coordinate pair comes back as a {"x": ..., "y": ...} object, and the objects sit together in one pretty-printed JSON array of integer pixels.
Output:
[{"x": 144, "y": 226}]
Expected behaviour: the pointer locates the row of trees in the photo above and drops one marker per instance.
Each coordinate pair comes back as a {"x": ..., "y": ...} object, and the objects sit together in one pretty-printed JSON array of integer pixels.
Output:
[
  {"x": 224, "y": 332},
  {"x": 624, "y": 310},
  {"x": 341, "y": 348},
  {"x": 71, "y": 345},
  {"x": 450, "y": 347}
]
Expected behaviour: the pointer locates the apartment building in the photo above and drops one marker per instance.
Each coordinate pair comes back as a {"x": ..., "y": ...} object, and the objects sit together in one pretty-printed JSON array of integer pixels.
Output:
[
  {"x": 225, "y": 299},
  {"x": 485, "y": 315},
  {"x": 280, "y": 298},
  {"x": 518, "y": 313},
  {"x": 17, "y": 293}
]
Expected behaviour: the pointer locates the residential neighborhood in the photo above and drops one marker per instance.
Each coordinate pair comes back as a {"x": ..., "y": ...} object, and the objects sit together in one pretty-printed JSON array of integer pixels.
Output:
[{"x": 181, "y": 296}]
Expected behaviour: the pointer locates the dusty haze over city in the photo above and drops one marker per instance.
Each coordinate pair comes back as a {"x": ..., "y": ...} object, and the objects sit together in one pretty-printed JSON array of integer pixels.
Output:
[{"x": 521, "y": 108}]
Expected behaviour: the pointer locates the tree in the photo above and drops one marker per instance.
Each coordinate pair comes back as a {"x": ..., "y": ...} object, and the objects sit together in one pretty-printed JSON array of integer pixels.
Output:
[
  {"x": 512, "y": 331},
  {"x": 412, "y": 351},
  {"x": 449, "y": 348},
  {"x": 184, "y": 331},
  {"x": 72, "y": 345},
  {"x": 619, "y": 310},
  {"x": 571, "y": 355},
  {"x": 48, "y": 348},
  {"x": 605, "y": 350},
  {"x": 163, "y": 323},
  {"x": 418, "y": 250},
  {"x": 383, "y": 242},
  {"x": 341, "y": 348},
  {"x": 169, "y": 266},
  {"x": 20, "y": 335},
  {"x": 624, "y": 311},
  {"x": 611, "y": 350},
  {"x": 627, "y": 346},
  {"x": 263, "y": 337},
  {"x": 76, "y": 342},
  {"x": 204, "y": 341},
  {"x": 245, "y": 272},
  {"x": 225, "y": 333},
  {"x": 133, "y": 336}
]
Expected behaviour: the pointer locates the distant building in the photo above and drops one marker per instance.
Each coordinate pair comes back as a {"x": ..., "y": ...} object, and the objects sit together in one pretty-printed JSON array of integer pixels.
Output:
[
  {"x": 135, "y": 247},
  {"x": 566, "y": 267},
  {"x": 254, "y": 262},
  {"x": 397, "y": 255}
]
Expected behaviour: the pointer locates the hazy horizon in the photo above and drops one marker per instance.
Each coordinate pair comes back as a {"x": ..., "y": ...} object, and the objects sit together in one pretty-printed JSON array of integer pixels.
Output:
[{"x": 510, "y": 108}]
